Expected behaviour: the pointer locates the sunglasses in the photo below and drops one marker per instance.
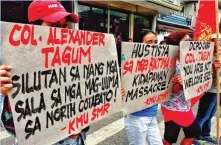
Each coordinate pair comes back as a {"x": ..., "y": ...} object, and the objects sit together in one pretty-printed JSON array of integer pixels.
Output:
[
  {"x": 59, "y": 25},
  {"x": 62, "y": 24}
]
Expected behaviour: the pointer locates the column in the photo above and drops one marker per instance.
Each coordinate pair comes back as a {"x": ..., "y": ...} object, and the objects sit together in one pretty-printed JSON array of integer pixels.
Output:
[
  {"x": 108, "y": 21},
  {"x": 131, "y": 25},
  {"x": 75, "y": 10},
  {"x": 154, "y": 24}
]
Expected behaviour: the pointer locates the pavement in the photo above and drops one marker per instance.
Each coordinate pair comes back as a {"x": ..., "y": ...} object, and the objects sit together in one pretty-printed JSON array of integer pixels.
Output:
[{"x": 110, "y": 131}]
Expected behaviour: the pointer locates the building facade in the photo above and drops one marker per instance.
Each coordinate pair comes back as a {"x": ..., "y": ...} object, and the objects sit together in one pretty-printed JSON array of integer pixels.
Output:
[
  {"x": 116, "y": 17},
  {"x": 123, "y": 17},
  {"x": 177, "y": 20},
  {"x": 129, "y": 17}
]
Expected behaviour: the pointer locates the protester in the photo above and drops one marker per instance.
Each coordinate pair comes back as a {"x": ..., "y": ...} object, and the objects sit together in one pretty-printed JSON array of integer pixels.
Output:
[
  {"x": 142, "y": 126},
  {"x": 45, "y": 13},
  {"x": 177, "y": 112},
  {"x": 118, "y": 40},
  {"x": 130, "y": 40},
  {"x": 163, "y": 42},
  {"x": 207, "y": 107}
]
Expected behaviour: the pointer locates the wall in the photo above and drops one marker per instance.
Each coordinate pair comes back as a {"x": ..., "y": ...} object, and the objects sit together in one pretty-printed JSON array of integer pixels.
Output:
[
  {"x": 189, "y": 9},
  {"x": 161, "y": 35}
]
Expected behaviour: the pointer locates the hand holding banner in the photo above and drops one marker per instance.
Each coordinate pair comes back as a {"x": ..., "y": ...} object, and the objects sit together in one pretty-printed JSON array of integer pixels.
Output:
[
  {"x": 64, "y": 80},
  {"x": 196, "y": 66},
  {"x": 146, "y": 74}
]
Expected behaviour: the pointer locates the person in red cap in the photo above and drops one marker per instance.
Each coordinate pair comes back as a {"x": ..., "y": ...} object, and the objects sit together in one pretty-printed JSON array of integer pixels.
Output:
[
  {"x": 45, "y": 13},
  {"x": 50, "y": 13}
]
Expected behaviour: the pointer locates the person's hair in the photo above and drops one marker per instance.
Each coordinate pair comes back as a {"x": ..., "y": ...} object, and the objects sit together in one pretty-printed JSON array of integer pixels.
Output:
[
  {"x": 38, "y": 22},
  {"x": 143, "y": 33},
  {"x": 129, "y": 39},
  {"x": 175, "y": 37},
  {"x": 118, "y": 34},
  {"x": 162, "y": 42}
]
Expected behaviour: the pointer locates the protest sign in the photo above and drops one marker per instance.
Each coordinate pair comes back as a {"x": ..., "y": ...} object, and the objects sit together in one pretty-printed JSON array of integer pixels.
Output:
[
  {"x": 196, "y": 67},
  {"x": 146, "y": 74},
  {"x": 64, "y": 80}
]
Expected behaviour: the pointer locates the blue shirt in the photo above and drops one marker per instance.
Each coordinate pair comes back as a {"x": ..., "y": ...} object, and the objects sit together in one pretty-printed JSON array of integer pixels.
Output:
[{"x": 148, "y": 112}]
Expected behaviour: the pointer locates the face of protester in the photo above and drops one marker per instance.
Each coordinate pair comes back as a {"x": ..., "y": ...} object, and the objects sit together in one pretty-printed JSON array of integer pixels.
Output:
[
  {"x": 63, "y": 23},
  {"x": 118, "y": 36},
  {"x": 185, "y": 38},
  {"x": 150, "y": 38}
]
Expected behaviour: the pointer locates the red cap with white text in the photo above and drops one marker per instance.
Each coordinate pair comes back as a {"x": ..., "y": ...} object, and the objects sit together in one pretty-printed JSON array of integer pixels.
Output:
[{"x": 49, "y": 11}]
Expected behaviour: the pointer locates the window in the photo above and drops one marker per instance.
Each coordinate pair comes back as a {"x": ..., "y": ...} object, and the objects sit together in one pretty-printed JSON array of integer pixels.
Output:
[
  {"x": 141, "y": 22},
  {"x": 171, "y": 1},
  {"x": 92, "y": 18},
  {"x": 15, "y": 11},
  {"x": 119, "y": 23}
]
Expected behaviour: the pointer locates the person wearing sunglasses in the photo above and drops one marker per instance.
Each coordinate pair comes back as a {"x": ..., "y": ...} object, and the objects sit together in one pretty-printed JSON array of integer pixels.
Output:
[{"x": 45, "y": 13}]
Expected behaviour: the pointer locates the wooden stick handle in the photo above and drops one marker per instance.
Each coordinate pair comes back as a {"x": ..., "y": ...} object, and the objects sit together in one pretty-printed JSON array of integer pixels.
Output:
[{"x": 217, "y": 73}]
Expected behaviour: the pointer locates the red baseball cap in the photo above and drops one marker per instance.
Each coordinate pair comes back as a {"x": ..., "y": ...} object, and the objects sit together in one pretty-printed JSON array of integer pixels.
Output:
[{"x": 49, "y": 11}]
